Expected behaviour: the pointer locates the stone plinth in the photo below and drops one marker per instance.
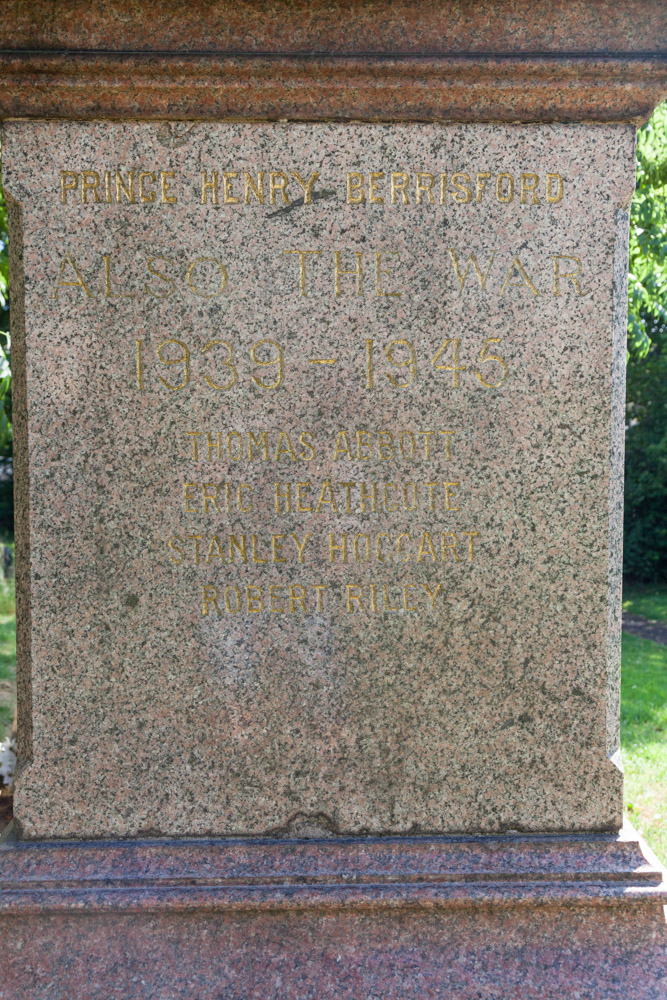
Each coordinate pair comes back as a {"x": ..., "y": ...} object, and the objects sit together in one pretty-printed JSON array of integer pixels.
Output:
[
  {"x": 319, "y": 431},
  {"x": 328, "y": 485},
  {"x": 533, "y": 917}
]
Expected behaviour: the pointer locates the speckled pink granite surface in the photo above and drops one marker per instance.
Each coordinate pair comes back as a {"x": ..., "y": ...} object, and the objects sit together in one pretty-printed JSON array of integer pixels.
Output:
[
  {"x": 495, "y": 708},
  {"x": 526, "y": 917}
]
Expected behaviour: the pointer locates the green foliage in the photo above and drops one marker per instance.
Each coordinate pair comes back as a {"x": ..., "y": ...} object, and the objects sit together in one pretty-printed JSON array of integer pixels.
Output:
[
  {"x": 647, "y": 280},
  {"x": 646, "y": 418},
  {"x": 5, "y": 343}
]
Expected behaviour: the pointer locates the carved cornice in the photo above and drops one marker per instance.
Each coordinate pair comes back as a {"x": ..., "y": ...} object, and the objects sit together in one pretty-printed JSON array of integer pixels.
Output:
[{"x": 524, "y": 60}]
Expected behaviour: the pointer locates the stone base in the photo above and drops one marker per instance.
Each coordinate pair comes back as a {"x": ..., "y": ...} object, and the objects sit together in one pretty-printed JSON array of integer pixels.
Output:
[{"x": 498, "y": 918}]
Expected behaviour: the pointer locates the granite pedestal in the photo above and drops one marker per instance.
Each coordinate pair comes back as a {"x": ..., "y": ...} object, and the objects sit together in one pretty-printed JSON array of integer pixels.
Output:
[{"x": 319, "y": 442}]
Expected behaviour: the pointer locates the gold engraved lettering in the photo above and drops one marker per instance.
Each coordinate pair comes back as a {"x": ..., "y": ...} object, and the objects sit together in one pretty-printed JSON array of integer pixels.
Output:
[
  {"x": 362, "y": 538},
  {"x": 410, "y": 503},
  {"x": 484, "y": 357},
  {"x": 209, "y": 186},
  {"x": 126, "y": 189},
  {"x": 463, "y": 193},
  {"x": 195, "y": 451},
  {"x": 432, "y": 594},
  {"x": 462, "y": 275},
  {"x": 319, "y": 589},
  {"x": 367, "y": 497},
  {"x": 300, "y": 545},
  {"x": 529, "y": 184},
  {"x": 355, "y": 189},
  {"x": 385, "y": 445},
  {"x": 570, "y": 275},
  {"x": 521, "y": 281},
  {"x": 505, "y": 188},
  {"x": 255, "y": 557},
  {"x": 426, "y": 545},
  {"x": 387, "y": 605},
  {"x": 109, "y": 293},
  {"x": 140, "y": 367},
  {"x": 334, "y": 548},
  {"x": 406, "y": 605},
  {"x": 406, "y": 453},
  {"x": 306, "y": 185},
  {"x": 301, "y": 506},
  {"x": 448, "y": 437},
  {"x": 237, "y": 546},
  {"x": 297, "y": 594},
  {"x": 254, "y": 599},
  {"x": 215, "y": 550},
  {"x": 388, "y": 506},
  {"x": 90, "y": 181},
  {"x": 196, "y": 539},
  {"x": 448, "y": 546},
  {"x": 162, "y": 277},
  {"x": 69, "y": 181},
  {"x": 326, "y": 498},
  {"x": 268, "y": 364},
  {"x": 61, "y": 283},
  {"x": 339, "y": 272},
  {"x": 424, "y": 186},
  {"x": 427, "y": 435},
  {"x": 210, "y": 596},
  {"x": 228, "y": 606},
  {"x": 284, "y": 446},
  {"x": 175, "y": 543},
  {"x": 302, "y": 268},
  {"x": 229, "y": 176},
  {"x": 187, "y": 498},
  {"x": 214, "y": 445},
  {"x": 410, "y": 363},
  {"x": 273, "y": 588},
  {"x": 260, "y": 444},
  {"x": 364, "y": 447},
  {"x": 207, "y": 497},
  {"x": 399, "y": 183},
  {"x": 342, "y": 446},
  {"x": 455, "y": 367},
  {"x": 245, "y": 487},
  {"x": 144, "y": 195},
  {"x": 277, "y": 185},
  {"x": 373, "y": 195},
  {"x": 277, "y": 548},
  {"x": 353, "y": 594},
  {"x": 165, "y": 186},
  {"x": 184, "y": 360},
  {"x": 222, "y": 277},
  {"x": 386, "y": 271},
  {"x": 554, "y": 196},
  {"x": 227, "y": 363},
  {"x": 471, "y": 536},
  {"x": 256, "y": 188},
  {"x": 449, "y": 495},
  {"x": 284, "y": 495},
  {"x": 378, "y": 548},
  {"x": 480, "y": 184}
]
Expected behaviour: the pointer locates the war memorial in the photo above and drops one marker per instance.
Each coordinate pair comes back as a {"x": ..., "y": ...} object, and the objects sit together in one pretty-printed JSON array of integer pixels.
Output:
[{"x": 319, "y": 325}]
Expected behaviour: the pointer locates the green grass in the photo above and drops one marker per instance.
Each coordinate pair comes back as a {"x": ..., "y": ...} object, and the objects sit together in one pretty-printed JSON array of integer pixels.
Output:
[
  {"x": 7, "y": 647},
  {"x": 644, "y": 738},
  {"x": 649, "y": 600}
]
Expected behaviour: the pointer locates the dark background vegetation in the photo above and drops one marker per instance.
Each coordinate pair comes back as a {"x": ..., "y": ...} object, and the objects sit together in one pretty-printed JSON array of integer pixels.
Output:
[{"x": 645, "y": 554}]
